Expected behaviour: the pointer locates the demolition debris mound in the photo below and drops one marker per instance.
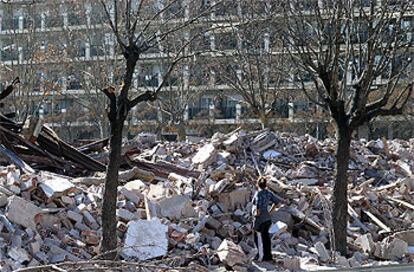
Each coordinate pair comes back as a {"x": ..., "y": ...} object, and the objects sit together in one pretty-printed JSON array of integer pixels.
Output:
[{"x": 184, "y": 204}]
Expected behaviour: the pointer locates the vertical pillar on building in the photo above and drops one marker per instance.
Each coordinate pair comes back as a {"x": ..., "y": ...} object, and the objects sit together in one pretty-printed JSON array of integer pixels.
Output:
[
  {"x": 87, "y": 51},
  {"x": 212, "y": 42},
  {"x": 64, "y": 84},
  {"x": 186, "y": 76},
  {"x": 42, "y": 21},
  {"x": 211, "y": 108},
  {"x": 238, "y": 111},
  {"x": 88, "y": 10},
  {"x": 65, "y": 19},
  {"x": 1, "y": 23},
  {"x": 291, "y": 110},
  {"x": 186, "y": 113},
  {"x": 20, "y": 52},
  {"x": 21, "y": 22}
]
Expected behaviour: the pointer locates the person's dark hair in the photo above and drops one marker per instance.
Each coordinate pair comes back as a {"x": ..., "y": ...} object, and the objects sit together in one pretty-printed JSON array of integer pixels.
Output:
[{"x": 262, "y": 182}]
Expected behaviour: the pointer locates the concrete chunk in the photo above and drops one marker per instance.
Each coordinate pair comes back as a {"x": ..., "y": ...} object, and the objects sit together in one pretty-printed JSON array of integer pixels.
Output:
[
  {"x": 54, "y": 185},
  {"x": 18, "y": 254},
  {"x": 322, "y": 252},
  {"x": 366, "y": 242},
  {"x": 145, "y": 240},
  {"x": 278, "y": 228},
  {"x": 205, "y": 155},
  {"x": 22, "y": 212},
  {"x": 231, "y": 254},
  {"x": 176, "y": 207}
]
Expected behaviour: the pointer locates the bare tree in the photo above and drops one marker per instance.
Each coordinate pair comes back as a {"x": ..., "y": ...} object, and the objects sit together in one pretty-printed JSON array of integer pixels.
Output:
[
  {"x": 138, "y": 26},
  {"x": 355, "y": 54},
  {"x": 250, "y": 65}
]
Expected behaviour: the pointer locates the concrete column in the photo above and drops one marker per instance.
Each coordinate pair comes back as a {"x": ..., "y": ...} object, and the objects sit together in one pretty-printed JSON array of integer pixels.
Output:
[
  {"x": 65, "y": 19},
  {"x": 1, "y": 23},
  {"x": 64, "y": 84},
  {"x": 238, "y": 111},
  {"x": 291, "y": 110},
  {"x": 212, "y": 42},
  {"x": 42, "y": 21},
  {"x": 186, "y": 76},
  {"x": 88, "y": 10},
  {"x": 186, "y": 114},
  {"x": 211, "y": 108},
  {"x": 20, "y": 51},
  {"x": 87, "y": 51},
  {"x": 21, "y": 22}
]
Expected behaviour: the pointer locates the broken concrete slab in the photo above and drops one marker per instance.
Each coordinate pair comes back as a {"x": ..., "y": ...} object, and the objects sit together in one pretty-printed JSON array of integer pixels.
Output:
[
  {"x": 366, "y": 242},
  {"x": 145, "y": 240},
  {"x": 55, "y": 185},
  {"x": 235, "y": 199},
  {"x": 205, "y": 155},
  {"x": 322, "y": 252},
  {"x": 176, "y": 207},
  {"x": 231, "y": 254},
  {"x": 22, "y": 212}
]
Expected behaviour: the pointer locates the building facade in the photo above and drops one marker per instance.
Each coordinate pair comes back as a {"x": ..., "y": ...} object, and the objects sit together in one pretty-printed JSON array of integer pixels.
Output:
[{"x": 64, "y": 52}]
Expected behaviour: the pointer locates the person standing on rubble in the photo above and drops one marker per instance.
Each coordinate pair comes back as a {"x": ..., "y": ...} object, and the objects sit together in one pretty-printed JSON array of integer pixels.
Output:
[{"x": 262, "y": 220}]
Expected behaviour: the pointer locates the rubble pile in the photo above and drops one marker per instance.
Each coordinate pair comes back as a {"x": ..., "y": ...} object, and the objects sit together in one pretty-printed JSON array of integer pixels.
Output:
[{"x": 188, "y": 204}]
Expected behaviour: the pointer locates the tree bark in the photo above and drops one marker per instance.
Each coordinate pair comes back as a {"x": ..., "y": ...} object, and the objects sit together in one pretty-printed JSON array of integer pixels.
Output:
[
  {"x": 340, "y": 193},
  {"x": 109, "y": 239},
  {"x": 264, "y": 120},
  {"x": 181, "y": 132}
]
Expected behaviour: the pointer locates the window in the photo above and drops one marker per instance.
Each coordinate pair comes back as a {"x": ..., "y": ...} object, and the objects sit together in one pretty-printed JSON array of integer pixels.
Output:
[
  {"x": 147, "y": 77},
  {"x": 97, "y": 13},
  {"x": 226, "y": 41},
  {"x": 97, "y": 45}
]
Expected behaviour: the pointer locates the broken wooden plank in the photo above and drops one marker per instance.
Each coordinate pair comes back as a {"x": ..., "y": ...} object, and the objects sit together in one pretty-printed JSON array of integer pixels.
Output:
[
  {"x": 402, "y": 202},
  {"x": 94, "y": 146},
  {"x": 354, "y": 216},
  {"x": 161, "y": 168},
  {"x": 13, "y": 158},
  {"x": 378, "y": 222},
  {"x": 51, "y": 142}
]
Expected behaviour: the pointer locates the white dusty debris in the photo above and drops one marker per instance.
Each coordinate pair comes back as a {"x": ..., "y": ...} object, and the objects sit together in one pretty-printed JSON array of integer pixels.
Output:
[{"x": 182, "y": 199}]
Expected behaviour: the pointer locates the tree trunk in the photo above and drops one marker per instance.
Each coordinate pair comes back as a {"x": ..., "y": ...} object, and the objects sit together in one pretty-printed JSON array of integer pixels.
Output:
[
  {"x": 181, "y": 132},
  {"x": 340, "y": 193},
  {"x": 264, "y": 120},
  {"x": 109, "y": 239}
]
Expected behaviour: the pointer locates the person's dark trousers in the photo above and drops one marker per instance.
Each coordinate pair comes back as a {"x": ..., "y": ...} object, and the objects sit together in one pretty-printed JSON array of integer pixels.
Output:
[{"x": 267, "y": 246}]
